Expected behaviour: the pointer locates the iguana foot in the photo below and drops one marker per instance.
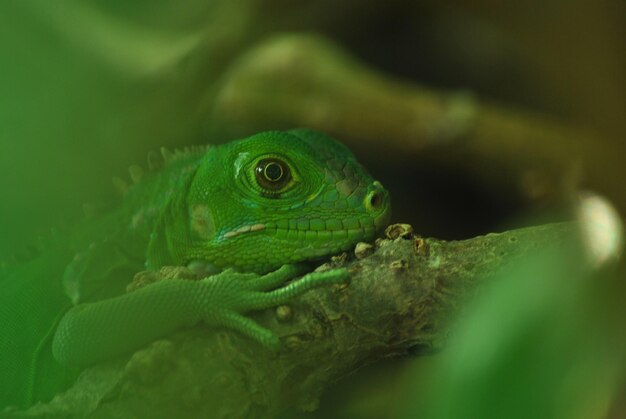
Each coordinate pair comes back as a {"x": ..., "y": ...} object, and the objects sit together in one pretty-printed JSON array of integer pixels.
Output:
[{"x": 227, "y": 296}]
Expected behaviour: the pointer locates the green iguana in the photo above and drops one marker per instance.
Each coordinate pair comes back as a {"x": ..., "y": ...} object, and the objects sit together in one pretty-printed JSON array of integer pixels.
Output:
[{"x": 246, "y": 214}]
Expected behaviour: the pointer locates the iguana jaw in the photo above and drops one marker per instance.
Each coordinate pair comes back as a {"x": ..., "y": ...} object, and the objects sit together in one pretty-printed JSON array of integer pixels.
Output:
[
  {"x": 311, "y": 239},
  {"x": 317, "y": 227},
  {"x": 320, "y": 227},
  {"x": 299, "y": 236}
]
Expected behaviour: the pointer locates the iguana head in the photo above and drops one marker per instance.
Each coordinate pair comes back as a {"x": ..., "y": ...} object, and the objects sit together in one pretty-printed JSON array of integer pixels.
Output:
[{"x": 281, "y": 197}]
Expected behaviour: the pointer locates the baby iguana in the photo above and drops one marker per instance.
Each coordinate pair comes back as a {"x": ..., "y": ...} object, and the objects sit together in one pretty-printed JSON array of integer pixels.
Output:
[{"x": 247, "y": 213}]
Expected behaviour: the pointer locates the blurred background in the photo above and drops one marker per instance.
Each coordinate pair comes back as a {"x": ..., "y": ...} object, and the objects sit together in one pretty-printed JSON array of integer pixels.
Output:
[{"x": 478, "y": 115}]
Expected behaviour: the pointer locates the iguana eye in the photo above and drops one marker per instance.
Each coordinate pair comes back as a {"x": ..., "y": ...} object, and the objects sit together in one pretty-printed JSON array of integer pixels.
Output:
[{"x": 272, "y": 174}]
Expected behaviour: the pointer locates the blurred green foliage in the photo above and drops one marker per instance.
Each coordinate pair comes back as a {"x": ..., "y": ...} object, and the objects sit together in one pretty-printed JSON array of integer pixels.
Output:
[{"x": 541, "y": 342}]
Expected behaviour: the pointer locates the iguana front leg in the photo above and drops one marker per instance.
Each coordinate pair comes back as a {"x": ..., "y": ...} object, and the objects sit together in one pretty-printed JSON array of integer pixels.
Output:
[{"x": 97, "y": 331}]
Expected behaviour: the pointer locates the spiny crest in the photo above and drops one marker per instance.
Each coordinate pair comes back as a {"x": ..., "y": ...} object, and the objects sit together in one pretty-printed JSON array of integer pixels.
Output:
[
  {"x": 177, "y": 154},
  {"x": 136, "y": 173},
  {"x": 156, "y": 162}
]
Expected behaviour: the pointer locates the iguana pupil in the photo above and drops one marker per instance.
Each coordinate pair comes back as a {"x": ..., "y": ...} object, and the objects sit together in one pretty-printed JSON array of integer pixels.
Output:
[{"x": 272, "y": 174}]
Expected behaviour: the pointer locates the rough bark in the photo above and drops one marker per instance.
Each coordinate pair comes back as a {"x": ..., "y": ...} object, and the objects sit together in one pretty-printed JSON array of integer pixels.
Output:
[{"x": 403, "y": 294}]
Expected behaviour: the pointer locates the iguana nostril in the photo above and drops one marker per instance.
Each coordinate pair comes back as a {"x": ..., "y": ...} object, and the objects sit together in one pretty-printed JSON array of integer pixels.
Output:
[{"x": 374, "y": 200}]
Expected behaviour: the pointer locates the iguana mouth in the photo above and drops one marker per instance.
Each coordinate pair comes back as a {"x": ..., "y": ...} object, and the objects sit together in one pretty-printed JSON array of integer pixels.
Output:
[
  {"x": 243, "y": 230},
  {"x": 302, "y": 232},
  {"x": 318, "y": 229},
  {"x": 322, "y": 236}
]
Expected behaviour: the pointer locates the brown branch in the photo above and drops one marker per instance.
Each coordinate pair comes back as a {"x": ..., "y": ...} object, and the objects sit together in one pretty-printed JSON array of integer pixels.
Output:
[
  {"x": 300, "y": 80},
  {"x": 403, "y": 294}
]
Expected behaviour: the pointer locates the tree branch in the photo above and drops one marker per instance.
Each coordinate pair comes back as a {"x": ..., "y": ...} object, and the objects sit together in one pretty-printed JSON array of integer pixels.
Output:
[
  {"x": 404, "y": 291},
  {"x": 305, "y": 80}
]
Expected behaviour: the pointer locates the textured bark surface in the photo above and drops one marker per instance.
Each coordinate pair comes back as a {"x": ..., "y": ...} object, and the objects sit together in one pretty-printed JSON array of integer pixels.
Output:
[{"x": 403, "y": 293}]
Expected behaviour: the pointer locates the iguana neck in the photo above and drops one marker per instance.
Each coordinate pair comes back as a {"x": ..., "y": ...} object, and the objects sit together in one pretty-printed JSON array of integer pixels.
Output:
[{"x": 163, "y": 217}]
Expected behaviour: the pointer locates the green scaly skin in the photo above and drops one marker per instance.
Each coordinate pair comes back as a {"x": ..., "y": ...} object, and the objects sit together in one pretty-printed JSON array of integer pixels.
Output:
[{"x": 249, "y": 212}]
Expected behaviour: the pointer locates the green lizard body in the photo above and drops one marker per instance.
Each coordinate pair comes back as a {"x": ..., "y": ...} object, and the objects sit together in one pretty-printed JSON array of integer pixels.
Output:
[{"x": 246, "y": 213}]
